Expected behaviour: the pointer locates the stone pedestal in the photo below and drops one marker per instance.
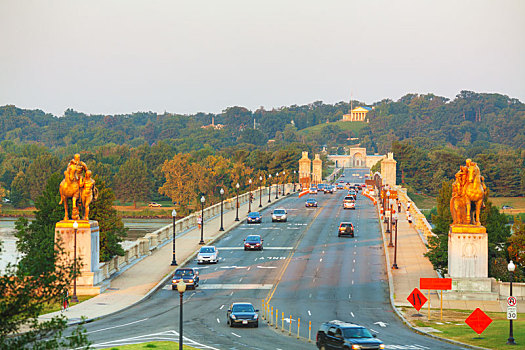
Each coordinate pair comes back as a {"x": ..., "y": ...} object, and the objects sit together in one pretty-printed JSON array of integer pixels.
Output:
[
  {"x": 468, "y": 264},
  {"x": 88, "y": 252},
  {"x": 388, "y": 170}
]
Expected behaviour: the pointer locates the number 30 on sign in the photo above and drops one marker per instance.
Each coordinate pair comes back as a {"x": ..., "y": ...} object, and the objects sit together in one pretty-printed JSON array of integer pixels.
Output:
[{"x": 512, "y": 313}]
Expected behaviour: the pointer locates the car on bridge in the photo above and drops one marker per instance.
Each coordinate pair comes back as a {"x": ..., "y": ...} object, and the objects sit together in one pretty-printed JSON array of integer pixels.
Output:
[
  {"x": 208, "y": 254},
  {"x": 313, "y": 190},
  {"x": 190, "y": 276},
  {"x": 254, "y": 218},
  {"x": 343, "y": 335},
  {"x": 279, "y": 214},
  {"x": 242, "y": 314},
  {"x": 311, "y": 202},
  {"x": 345, "y": 229},
  {"x": 253, "y": 242}
]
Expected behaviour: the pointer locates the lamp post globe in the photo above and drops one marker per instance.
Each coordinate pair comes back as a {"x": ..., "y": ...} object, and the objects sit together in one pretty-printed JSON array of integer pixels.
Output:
[
  {"x": 511, "y": 267},
  {"x": 174, "y": 216},
  {"x": 222, "y": 209},
  {"x": 237, "y": 205},
  {"x": 202, "y": 219},
  {"x": 74, "y": 298},
  {"x": 181, "y": 288}
]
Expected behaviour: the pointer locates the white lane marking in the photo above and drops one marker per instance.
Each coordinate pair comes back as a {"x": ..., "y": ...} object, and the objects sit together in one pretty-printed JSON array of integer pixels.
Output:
[
  {"x": 323, "y": 251},
  {"x": 320, "y": 259},
  {"x": 218, "y": 321},
  {"x": 265, "y": 248},
  {"x": 231, "y": 293},
  {"x": 122, "y": 325},
  {"x": 373, "y": 330},
  {"x": 240, "y": 280},
  {"x": 351, "y": 313},
  {"x": 249, "y": 267},
  {"x": 266, "y": 267},
  {"x": 354, "y": 261},
  {"x": 310, "y": 295},
  {"x": 233, "y": 267},
  {"x": 353, "y": 270},
  {"x": 238, "y": 336},
  {"x": 381, "y": 324},
  {"x": 352, "y": 281},
  {"x": 247, "y": 286},
  {"x": 309, "y": 313},
  {"x": 221, "y": 307},
  {"x": 349, "y": 296}
]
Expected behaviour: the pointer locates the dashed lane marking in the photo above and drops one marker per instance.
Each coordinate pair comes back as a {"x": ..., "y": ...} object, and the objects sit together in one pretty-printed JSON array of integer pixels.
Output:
[
  {"x": 236, "y": 286},
  {"x": 238, "y": 336},
  {"x": 265, "y": 248}
]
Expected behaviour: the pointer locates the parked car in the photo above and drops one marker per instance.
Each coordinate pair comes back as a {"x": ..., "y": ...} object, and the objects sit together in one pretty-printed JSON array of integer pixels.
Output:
[
  {"x": 242, "y": 314},
  {"x": 208, "y": 254},
  {"x": 189, "y": 275},
  {"x": 254, "y": 217},
  {"x": 279, "y": 214},
  {"x": 253, "y": 242},
  {"x": 343, "y": 335},
  {"x": 345, "y": 229},
  {"x": 506, "y": 207},
  {"x": 311, "y": 202},
  {"x": 154, "y": 205}
]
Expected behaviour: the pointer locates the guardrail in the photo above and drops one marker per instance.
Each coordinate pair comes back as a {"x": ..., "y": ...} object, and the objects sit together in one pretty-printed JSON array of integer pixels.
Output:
[{"x": 419, "y": 219}]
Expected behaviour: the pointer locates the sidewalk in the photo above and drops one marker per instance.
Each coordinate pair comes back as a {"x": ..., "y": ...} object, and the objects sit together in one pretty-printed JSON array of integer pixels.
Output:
[
  {"x": 412, "y": 265},
  {"x": 142, "y": 279}
]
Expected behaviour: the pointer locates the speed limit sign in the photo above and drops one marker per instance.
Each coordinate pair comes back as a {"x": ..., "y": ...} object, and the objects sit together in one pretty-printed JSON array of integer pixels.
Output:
[{"x": 512, "y": 312}]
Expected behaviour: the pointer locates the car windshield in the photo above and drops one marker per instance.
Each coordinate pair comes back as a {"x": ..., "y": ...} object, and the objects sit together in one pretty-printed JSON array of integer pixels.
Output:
[
  {"x": 356, "y": 333},
  {"x": 207, "y": 250},
  {"x": 242, "y": 308},
  {"x": 346, "y": 225},
  {"x": 255, "y": 214},
  {"x": 311, "y": 200},
  {"x": 180, "y": 273},
  {"x": 279, "y": 211},
  {"x": 253, "y": 239}
]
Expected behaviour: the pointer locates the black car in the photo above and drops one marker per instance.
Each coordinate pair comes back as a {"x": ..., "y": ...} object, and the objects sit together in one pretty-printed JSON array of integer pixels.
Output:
[
  {"x": 189, "y": 275},
  {"x": 253, "y": 242},
  {"x": 310, "y": 202},
  {"x": 342, "y": 335},
  {"x": 242, "y": 314},
  {"x": 254, "y": 217}
]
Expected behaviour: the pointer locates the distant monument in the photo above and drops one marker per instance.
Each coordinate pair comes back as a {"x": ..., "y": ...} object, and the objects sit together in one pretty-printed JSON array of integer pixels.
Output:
[
  {"x": 467, "y": 239},
  {"x": 304, "y": 170},
  {"x": 79, "y": 185}
]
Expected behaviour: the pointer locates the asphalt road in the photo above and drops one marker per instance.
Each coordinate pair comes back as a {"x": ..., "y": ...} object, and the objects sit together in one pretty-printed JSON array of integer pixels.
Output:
[{"x": 305, "y": 271}]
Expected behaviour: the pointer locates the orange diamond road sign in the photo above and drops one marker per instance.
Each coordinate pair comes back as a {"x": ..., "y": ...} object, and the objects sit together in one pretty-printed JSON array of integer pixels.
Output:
[
  {"x": 417, "y": 299},
  {"x": 478, "y": 321}
]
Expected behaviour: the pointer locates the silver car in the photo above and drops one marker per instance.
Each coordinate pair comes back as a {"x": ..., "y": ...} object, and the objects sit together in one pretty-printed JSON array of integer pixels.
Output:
[
  {"x": 279, "y": 214},
  {"x": 208, "y": 254}
]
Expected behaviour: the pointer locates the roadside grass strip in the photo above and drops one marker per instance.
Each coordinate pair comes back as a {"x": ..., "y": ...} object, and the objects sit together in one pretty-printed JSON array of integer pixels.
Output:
[{"x": 168, "y": 340}]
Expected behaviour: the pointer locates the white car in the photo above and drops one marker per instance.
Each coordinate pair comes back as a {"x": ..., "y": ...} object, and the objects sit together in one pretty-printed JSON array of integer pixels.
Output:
[
  {"x": 208, "y": 254},
  {"x": 279, "y": 214}
]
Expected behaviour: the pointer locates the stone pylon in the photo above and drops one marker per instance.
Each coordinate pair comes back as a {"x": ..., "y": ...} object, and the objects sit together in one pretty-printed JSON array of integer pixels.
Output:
[
  {"x": 317, "y": 170},
  {"x": 304, "y": 171}
]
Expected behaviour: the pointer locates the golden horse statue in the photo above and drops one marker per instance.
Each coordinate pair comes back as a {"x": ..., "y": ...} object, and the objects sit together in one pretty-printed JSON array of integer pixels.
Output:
[
  {"x": 70, "y": 188},
  {"x": 474, "y": 192}
]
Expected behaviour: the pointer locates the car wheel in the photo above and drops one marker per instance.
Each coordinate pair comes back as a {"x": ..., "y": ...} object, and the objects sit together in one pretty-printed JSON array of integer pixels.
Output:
[
  {"x": 322, "y": 347},
  {"x": 173, "y": 288},
  {"x": 338, "y": 235},
  {"x": 245, "y": 249},
  {"x": 256, "y": 325}
]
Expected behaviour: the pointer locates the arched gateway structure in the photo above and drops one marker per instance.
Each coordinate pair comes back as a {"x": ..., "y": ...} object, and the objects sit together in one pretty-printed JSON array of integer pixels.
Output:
[{"x": 357, "y": 158}]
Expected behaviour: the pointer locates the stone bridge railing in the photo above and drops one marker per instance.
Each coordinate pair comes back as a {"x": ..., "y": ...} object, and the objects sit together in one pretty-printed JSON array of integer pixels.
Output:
[
  {"x": 419, "y": 220},
  {"x": 154, "y": 240}
]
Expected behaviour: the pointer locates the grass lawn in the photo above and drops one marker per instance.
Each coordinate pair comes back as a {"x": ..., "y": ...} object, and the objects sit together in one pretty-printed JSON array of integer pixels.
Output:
[
  {"x": 161, "y": 345},
  {"x": 454, "y": 327},
  {"x": 423, "y": 201},
  {"x": 48, "y": 308},
  {"x": 354, "y": 126}
]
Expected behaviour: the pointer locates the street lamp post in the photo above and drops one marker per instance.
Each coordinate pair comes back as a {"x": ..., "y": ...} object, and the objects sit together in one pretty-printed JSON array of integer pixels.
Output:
[
  {"x": 74, "y": 298},
  {"x": 294, "y": 180},
  {"x": 284, "y": 172},
  {"x": 260, "y": 191},
  {"x": 181, "y": 288},
  {"x": 394, "y": 266},
  {"x": 202, "y": 217},
  {"x": 237, "y": 215},
  {"x": 511, "y": 268},
  {"x": 390, "y": 225},
  {"x": 277, "y": 185},
  {"x": 269, "y": 187},
  {"x": 250, "y": 197},
  {"x": 222, "y": 209},
  {"x": 174, "y": 215},
  {"x": 387, "y": 199}
]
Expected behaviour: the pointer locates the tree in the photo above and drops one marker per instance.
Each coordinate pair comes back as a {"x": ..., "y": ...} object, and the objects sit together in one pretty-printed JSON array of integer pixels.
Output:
[
  {"x": 38, "y": 173},
  {"x": 111, "y": 228},
  {"x": 133, "y": 182},
  {"x": 177, "y": 180},
  {"x": 20, "y": 191},
  {"x": 2, "y": 195},
  {"x": 516, "y": 247}
]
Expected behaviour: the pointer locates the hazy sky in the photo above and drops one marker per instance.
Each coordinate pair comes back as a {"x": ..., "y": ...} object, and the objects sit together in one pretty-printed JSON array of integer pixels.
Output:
[{"x": 108, "y": 57}]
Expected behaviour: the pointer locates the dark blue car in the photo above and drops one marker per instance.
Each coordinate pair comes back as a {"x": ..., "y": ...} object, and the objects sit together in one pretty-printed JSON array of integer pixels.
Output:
[{"x": 254, "y": 218}]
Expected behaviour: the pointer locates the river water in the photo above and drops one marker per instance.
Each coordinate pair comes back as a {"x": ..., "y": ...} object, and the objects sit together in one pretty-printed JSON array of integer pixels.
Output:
[{"x": 136, "y": 228}]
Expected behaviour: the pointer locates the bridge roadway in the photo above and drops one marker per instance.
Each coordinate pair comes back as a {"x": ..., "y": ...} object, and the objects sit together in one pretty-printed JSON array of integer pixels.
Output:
[{"x": 305, "y": 270}]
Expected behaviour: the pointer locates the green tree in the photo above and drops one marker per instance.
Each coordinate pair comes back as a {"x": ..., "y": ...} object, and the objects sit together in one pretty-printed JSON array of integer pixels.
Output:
[
  {"x": 133, "y": 183},
  {"x": 36, "y": 240},
  {"x": 20, "y": 191},
  {"x": 111, "y": 228},
  {"x": 39, "y": 171}
]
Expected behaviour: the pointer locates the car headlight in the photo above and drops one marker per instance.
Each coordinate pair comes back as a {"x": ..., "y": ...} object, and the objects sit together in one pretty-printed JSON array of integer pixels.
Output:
[
  {"x": 233, "y": 316},
  {"x": 190, "y": 281},
  {"x": 274, "y": 217},
  {"x": 255, "y": 316},
  {"x": 381, "y": 346},
  {"x": 355, "y": 347}
]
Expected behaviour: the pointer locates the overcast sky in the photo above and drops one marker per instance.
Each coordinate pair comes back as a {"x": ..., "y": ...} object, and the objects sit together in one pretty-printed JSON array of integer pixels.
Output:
[{"x": 109, "y": 57}]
